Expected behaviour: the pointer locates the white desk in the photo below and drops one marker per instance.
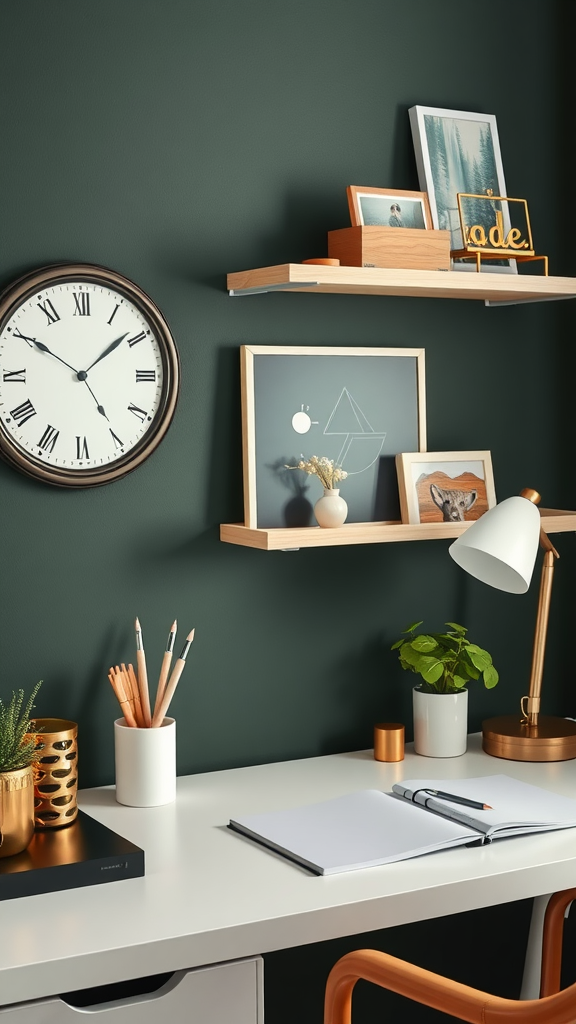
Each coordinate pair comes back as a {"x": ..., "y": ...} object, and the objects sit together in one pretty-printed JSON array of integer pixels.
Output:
[{"x": 209, "y": 895}]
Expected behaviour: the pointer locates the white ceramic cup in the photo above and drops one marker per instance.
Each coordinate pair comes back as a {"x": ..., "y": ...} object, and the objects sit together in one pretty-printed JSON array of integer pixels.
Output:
[{"x": 145, "y": 764}]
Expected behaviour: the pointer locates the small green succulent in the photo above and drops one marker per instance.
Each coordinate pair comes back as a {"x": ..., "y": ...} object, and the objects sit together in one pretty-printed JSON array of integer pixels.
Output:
[
  {"x": 446, "y": 661},
  {"x": 17, "y": 747}
]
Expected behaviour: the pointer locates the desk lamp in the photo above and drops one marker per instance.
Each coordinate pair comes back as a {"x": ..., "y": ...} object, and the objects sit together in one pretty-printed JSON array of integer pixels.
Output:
[{"x": 500, "y": 549}]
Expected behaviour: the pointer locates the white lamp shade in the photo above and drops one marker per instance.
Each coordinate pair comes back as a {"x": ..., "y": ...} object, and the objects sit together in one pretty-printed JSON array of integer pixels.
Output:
[{"x": 500, "y": 548}]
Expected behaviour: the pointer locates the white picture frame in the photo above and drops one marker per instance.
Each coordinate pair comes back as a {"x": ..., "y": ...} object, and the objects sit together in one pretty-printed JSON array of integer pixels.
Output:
[
  {"x": 458, "y": 151},
  {"x": 451, "y": 476}
]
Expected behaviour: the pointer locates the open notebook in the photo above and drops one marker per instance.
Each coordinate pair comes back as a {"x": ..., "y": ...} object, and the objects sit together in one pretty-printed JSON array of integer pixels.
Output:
[{"x": 368, "y": 827}]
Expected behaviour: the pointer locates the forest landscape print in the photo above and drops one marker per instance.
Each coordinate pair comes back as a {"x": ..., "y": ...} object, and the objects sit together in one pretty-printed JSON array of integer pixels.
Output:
[{"x": 462, "y": 158}]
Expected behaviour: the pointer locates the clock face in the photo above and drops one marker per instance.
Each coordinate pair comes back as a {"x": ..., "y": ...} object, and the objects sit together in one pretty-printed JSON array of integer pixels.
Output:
[{"x": 88, "y": 375}]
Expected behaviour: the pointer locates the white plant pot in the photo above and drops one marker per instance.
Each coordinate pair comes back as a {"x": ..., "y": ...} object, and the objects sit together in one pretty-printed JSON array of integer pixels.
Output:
[
  {"x": 330, "y": 510},
  {"x": 440, "y": 723}
]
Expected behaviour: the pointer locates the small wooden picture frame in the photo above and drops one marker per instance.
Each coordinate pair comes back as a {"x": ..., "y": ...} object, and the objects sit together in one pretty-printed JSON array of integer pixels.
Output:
[
  {"x": 445, "y": 487},
  {"x": 388, "y": 207}
]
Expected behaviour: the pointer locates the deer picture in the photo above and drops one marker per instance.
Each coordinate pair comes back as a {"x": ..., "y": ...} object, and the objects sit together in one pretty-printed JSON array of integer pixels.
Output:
[{"x": 452, "y": 504}]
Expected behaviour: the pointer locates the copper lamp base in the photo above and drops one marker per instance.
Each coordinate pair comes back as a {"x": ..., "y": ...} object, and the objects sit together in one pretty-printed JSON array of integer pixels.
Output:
[{"x": 552, "y": 739}]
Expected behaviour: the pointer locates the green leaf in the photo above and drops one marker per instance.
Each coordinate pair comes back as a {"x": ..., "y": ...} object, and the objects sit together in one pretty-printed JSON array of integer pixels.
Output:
[
  {"x": 408, "y": 654},
  {"x": 479, "y": 658},
  {"x": 410, "y": 629},
  {"x": 456, "y": 627},
  {"x": 467, "y": 665},
  {"x": 397, "y": 644},
  {"x": 491, "y": 677},
  {"x": 433, "y": 671},
  {"x": 459, "y": 682},
  {"x": 423, "y": 643}
]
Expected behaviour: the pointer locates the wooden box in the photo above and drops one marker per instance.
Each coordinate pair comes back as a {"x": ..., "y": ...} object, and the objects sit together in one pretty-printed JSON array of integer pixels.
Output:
[{"x": 389, "y": 248}]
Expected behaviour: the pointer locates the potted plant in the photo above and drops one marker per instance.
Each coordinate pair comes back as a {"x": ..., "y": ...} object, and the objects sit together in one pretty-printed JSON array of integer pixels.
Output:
[
  {"x": 330, "y": 510},
  {"x": 18, "y": 751},
  {"x": 446, "y": 662}
]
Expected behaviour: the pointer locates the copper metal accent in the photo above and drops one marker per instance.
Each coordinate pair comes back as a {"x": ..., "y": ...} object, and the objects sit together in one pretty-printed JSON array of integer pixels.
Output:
[
  {"x": 532, "y": 736},
  {"x": 389, "y": 741},
  {"x": 531, "y": 495},
  {"x": 56, "y": 773},
  {"x": 494, "y": 251},
  {"x": 16, "y": 810},
  {"x": 551, "y": 739},
  {"x": 27, "y": 286}
]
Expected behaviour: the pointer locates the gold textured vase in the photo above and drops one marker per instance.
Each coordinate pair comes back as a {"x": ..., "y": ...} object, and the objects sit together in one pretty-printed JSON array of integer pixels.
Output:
[
  {"x": 56, "y": 773},
  {"x": 16, "y": 810}
]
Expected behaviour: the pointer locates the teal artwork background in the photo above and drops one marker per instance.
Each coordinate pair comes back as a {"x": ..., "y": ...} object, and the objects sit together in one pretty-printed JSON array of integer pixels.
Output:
[
  {"x": 363, "y": 410},
  {"x": 176, "y": 142}
]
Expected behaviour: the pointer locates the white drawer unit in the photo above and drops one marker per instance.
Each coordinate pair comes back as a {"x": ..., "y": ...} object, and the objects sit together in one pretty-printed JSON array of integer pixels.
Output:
[{"x": 228, "y": 993}]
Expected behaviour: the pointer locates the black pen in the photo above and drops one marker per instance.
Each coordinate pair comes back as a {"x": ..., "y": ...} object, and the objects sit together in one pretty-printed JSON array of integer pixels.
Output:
[{"x": 458, "y": 799}]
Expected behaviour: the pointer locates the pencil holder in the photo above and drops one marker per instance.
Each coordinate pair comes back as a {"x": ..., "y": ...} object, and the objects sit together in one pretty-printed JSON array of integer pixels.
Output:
[
  {"x": 145, "y": 764},
  {"x": 56, "y": 773}
]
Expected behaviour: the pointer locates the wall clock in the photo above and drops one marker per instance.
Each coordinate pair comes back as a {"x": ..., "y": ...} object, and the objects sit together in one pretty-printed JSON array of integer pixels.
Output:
[{"x": 89, "y": 375}]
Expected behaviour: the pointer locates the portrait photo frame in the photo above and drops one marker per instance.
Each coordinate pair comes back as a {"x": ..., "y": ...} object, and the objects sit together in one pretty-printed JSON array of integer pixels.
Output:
[
  {"x": 353, "y": 405},
  {"x": 380, "y": 206},
  {"x": 458, "y": 151},
  {"x": 450, "y": 487}
]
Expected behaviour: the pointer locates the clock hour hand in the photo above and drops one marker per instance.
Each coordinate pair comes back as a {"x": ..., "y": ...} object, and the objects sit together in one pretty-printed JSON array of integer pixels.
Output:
[{"x": 107, "y": 351}]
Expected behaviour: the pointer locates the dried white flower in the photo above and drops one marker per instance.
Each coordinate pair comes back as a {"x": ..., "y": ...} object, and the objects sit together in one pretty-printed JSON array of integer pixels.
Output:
[{"x": 327, "y": 472}]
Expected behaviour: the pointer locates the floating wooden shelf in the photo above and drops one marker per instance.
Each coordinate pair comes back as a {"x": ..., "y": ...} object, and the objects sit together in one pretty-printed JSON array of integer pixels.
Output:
[
  {"x": 494, "y": 289},
  {"x": 280, "y": 539}
]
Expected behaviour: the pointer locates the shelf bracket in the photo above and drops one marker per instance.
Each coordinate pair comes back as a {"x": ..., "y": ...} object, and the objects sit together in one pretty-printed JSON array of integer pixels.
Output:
[
  {"x": 522, "y": 302},
  {"x": 272, "y": 288}
]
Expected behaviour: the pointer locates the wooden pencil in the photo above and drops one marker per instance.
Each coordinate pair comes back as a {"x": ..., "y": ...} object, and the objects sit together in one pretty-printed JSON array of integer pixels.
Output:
[
  {"x": 166, "y": 660},
  {"x": 160, "y": 714},
  {"x": 138, "y": 714},
  {"x": 122, "y": 699},
  {"x": 142, "y": 676}
]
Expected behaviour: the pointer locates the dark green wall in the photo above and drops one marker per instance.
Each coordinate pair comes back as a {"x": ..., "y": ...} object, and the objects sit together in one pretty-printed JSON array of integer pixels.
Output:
[{"x": 176, "y": 141}]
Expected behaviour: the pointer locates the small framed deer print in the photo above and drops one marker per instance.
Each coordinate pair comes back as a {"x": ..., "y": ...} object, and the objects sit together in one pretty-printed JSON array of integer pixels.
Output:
[{"x": 445, "y": 487}]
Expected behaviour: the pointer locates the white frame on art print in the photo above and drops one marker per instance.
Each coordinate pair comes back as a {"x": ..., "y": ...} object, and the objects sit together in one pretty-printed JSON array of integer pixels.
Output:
[{"x": 428, "y": 172}]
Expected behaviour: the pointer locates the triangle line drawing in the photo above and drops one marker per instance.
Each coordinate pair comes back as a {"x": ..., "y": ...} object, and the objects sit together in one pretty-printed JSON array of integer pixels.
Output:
[{"x": 347, "y": 408}]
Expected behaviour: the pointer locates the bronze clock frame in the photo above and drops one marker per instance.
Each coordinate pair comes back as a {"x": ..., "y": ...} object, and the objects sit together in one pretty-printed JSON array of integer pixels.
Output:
[{"x": 16, "y": 294}]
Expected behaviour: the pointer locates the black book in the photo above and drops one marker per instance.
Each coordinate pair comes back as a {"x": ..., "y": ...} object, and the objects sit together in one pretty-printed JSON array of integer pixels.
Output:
[{"x": 83, "y": 853}]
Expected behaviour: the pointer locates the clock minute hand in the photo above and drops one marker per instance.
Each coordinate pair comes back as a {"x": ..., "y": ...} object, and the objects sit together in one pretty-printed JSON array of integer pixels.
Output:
[
  {"x": 107, "y": 351},
  {"x": 44, "y": 348}
]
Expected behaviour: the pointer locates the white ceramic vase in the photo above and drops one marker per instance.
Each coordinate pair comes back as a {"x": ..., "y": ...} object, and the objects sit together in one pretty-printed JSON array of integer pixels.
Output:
[
  {"x": 330, "y": 510},
  {"x": 440, "y": 723}
]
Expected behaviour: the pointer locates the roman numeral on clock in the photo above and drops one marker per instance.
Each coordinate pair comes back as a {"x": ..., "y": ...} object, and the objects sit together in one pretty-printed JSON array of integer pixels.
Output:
[
  {"x": 138, "y": 337},
  {"x": 139, "y": 413},
  {"x": 81, "y": 448},
  {"x": 23, "y": 413},
  {"x": 48, "y": 309},
  {"x": 81, "y": 304},
  {"x": 145, "y": 375},
  {"x": 49, "y": 438},
  {"x": 117, "y": 442},
  {"x": 14, "y": 377},
  {"x": 17, "y": 334},
  {"x": 116, "y": 308}
]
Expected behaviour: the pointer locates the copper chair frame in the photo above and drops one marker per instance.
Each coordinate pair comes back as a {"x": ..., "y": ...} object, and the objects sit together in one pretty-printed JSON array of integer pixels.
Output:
[{"x": 461, "y": 1001}]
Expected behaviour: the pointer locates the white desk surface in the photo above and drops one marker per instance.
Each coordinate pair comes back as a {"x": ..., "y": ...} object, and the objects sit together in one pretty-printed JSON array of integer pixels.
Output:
[{"x": 210, "y": 895}]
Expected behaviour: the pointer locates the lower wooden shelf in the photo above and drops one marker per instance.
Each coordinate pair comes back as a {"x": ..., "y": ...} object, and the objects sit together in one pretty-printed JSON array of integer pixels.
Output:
[
  {"x": 292, "y": 539},
  {"x": 492, "y": 288}
]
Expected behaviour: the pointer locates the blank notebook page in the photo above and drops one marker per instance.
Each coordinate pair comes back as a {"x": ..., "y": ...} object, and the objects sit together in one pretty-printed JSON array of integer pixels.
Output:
[{"x": 360, "y": 829}]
